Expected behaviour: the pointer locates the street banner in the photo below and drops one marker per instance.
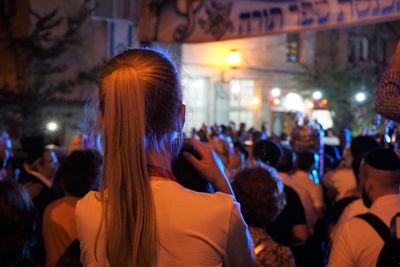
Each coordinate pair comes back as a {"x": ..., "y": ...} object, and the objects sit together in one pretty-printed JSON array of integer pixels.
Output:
[{"x": 192, "y": 21}]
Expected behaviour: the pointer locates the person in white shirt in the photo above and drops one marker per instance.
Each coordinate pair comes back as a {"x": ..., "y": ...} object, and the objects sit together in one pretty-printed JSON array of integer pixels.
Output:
[
  {"x": 356, "y": 242},
  {"x": 285, "y": 166},
  {"x": 141, "y": 216},
  {"x": 303, "y": 178}
]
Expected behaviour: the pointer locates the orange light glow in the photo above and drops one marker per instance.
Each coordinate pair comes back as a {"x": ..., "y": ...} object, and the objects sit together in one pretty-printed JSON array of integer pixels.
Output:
[
  {"x": 256, "y": 101},
  {"x": 276, "y": 101},
  {"x": 324, "y": 102},
  {"x": 234, "y": 58},
  {"x": 310, "y": 105}
]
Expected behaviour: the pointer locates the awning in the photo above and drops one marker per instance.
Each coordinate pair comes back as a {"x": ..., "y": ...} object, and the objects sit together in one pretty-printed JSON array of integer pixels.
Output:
[{"x": 192, "y": 21}]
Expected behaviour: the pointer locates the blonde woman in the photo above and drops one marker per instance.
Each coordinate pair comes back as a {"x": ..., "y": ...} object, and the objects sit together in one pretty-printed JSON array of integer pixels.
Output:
[{"x": 142, "y": 216}]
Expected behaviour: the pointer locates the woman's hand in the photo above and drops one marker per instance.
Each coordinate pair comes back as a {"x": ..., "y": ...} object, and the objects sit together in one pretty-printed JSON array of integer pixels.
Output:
[{"x": 209, "y": 165}]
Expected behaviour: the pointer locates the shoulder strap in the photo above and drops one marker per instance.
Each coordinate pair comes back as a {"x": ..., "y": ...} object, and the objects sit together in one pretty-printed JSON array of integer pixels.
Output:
[{"x": 376, "y": 223}]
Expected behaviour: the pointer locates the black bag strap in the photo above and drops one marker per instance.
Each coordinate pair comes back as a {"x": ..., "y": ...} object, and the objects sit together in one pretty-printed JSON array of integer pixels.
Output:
[{"x": 376, "y": 223}]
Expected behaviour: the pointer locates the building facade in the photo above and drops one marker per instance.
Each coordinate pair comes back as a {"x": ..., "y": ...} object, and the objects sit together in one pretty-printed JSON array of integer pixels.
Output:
[{"x": 219, "y": 91}]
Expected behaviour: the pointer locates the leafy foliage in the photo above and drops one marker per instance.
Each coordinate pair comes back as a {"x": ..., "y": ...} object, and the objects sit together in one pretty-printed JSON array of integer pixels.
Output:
[
  {"x": 40, "y": 79},
  {"x": 339, "y": 86}
]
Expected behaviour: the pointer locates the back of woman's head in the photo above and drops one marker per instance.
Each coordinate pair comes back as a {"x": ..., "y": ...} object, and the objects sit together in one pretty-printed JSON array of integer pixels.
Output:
[
  {"x": 147, "y": 80},
  {"x": 79, "y": 172},
  {"x": 17, "y": 223},
  {"x": 260, "y": 193},
  {"x": 140, "y": 104}
]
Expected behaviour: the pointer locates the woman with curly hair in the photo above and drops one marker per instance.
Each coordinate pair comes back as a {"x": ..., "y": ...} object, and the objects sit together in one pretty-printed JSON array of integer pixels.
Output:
[{"x": 260, "y": 193}]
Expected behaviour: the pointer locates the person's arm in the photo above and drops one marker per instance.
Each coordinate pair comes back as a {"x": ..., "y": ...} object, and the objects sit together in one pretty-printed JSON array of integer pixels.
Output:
[
  {"x": 300, "y": 231},
  {"x": 239, "y": 244},
  {"x": 210, "y": 166},
  {"x": 387, "y": 101}
]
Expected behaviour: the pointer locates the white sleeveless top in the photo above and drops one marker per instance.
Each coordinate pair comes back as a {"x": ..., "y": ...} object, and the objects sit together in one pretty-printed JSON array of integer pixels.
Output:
[{"x": 194, "y": 229}]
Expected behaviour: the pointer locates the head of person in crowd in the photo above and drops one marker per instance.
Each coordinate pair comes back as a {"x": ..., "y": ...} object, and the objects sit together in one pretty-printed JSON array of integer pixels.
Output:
[
  {"x": 306, "y": 161},
  {"x": 268, "y": 152},
  {"x": 223, "y": 129},
  {"x": 287, "y": 160},
  {"x": 38, "y": 157},
  {"x": 17, "y": 224},
  {"x": 361, "y": 145},
  {"x": 256, "y": 137},
  {"x": 259, "y": 191},
  {"x": 242, "y": 127},
  {"x": 142, "y": 117},
  {"x": 379, "y": 175},
  {"x": 80, "y": 172}
]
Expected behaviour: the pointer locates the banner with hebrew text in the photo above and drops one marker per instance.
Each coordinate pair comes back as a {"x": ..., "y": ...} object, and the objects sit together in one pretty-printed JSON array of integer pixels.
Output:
[{"x": 193, "y": 21}]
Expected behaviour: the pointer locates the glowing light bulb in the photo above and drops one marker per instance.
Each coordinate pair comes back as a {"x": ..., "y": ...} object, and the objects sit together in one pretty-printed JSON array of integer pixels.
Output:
[
  {"x": 317, "y": 95},
  {"x": 360, "y": 97},
  {"x": 52, "y": 126},
  {"x": 234, "y": 58},
  {"x": 276, "y": 92}
]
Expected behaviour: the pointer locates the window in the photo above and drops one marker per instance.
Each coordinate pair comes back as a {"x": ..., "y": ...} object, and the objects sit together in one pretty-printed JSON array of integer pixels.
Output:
[
  {"x": 195, "y": 97},
  {"x": 293, "y": 48},
  {"x": 241, "y": 101},
  {"x": 358, "y": 49}
]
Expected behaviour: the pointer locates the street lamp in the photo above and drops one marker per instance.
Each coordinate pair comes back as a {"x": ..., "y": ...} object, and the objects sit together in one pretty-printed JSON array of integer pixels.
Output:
[
  {"x": 276, "y": 92},
  {"x": 317, "y": 95},
  {"x": 52, "y": 126},
  {"x": 360, "y": 97},
  {"x": 234, "y": 58}
]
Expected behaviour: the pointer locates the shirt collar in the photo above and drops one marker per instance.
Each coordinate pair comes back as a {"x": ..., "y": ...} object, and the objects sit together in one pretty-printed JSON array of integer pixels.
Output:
[{"x": 386, "y": 200}]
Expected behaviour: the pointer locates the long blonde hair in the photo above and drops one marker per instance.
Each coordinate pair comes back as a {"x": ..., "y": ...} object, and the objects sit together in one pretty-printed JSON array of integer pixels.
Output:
[{"x": 140, "y": 97}]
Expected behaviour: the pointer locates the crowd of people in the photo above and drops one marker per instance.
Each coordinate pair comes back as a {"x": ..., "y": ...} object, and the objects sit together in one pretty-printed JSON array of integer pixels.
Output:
[{"x": 224, "y": 196}]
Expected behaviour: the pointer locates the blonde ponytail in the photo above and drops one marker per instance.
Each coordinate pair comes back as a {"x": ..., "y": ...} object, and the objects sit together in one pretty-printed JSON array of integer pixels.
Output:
[
  {"x": 130, "y": 216},
  {"x": 140, "y": 98}
]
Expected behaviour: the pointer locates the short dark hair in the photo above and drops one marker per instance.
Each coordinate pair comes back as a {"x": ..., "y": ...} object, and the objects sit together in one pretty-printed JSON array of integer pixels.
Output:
[
  {"x": 305, "y": 160},
  {"x": 361, "y": 145},
  {"x": 260, "y": 193},
  {"x": 268, "y": 152},
  {"x": 383, "y": 159},
  {"x": 287, "y": 159},
  {"x": 79, "y": 172},
  {"x": 17, "y": 223}
]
